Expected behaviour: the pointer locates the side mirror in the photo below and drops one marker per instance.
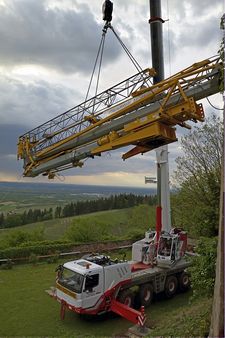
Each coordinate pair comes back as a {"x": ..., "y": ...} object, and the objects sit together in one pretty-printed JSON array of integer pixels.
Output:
[{"x": 89, "y": 290}]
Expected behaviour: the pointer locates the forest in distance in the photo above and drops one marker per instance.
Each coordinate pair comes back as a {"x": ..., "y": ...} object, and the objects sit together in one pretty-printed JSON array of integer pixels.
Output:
[{"x": 121, "y": 201}]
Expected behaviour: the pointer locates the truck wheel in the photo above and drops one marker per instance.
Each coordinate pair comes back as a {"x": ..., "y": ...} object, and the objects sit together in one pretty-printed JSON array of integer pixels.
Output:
[
  {"x": 171, "y": 286},
  {"x": 184, "y": 281},
  {"x": 126, "y": 297},
  {"x": 146, "y": 294}
]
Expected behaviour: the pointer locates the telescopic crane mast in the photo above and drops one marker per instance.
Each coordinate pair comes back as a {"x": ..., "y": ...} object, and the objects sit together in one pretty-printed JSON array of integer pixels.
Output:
[{"x": 163, "y": 212}]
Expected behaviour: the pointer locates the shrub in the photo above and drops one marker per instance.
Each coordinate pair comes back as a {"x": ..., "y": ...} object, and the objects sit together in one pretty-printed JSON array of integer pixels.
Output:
[
  {"x": 21, "y": 237},
  {"x": 203, "y": 268},
  {"x": 37, "y": 249},
  {"x": 87, "y": 230}
]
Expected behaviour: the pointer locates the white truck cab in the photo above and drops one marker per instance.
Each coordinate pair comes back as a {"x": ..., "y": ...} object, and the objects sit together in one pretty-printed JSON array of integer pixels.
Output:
[{"x": 83, "y": 283}]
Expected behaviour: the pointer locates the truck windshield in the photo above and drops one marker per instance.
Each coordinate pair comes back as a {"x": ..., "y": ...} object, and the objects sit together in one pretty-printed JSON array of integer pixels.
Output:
[{"x": 71, "y": 280}]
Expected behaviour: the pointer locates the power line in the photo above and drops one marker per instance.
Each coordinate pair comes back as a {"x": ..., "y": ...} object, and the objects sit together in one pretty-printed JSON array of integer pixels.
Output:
[{"x": 213, "y": 105}]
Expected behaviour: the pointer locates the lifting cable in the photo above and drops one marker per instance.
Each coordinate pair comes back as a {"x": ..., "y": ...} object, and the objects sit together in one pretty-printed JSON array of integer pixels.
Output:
[
  {"x": 100, "y": 50},
  {"x": 131, "y": 57},
  {"x": 100, "y": 57}
]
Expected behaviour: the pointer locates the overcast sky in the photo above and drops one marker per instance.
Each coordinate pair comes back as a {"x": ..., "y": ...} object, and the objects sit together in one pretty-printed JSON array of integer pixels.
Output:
[{"x": 48, "y": 48}]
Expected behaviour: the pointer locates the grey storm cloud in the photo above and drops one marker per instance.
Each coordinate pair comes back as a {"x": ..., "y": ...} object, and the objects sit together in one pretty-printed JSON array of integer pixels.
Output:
[
  {"x": 112, "y": 162},
  {"x": 8, "y": 147},
  {"x": 65, "y": 39},
  {"x": 34, "y": 103},
  {"x": 197, "y": 8},
  {"x": 202, "y": 36}
]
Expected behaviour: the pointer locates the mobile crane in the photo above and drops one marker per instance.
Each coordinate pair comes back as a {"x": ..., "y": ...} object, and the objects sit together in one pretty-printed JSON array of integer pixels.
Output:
[
  {"x": 95, "y": 284},
  {"x": 133, "y": 112}
]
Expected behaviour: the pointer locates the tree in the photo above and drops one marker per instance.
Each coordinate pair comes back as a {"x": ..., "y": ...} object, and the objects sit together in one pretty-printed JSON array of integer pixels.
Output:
[
  {"x": 195, "y": 206},
  {"x": 13, "y": 220},
  {"x": 203, "y": 269}
]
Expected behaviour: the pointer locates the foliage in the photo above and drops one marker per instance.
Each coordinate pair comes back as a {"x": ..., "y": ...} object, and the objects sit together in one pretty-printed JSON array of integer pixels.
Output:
[
  {"x": 142, "y": 217},
  {"x": 39, "y": 248},
  {"x": 87, "y": 230},
  {"x": 21, "y": 237},
  {"x": 203, "y": 268},
  {"x": 113, "y": 202},
  {"x": 190, "y": 320},
  {"x": 102, "y": 226},
  {"x": 195, "y": 205},
  {"x": 120, "y": 201},
  {"x": 130, "y": 225},
  {"x": 11, "y": 220}
]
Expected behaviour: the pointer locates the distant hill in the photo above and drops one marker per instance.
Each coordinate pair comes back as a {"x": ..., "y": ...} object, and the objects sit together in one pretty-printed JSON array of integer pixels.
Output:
[{"x": 72, "y": 189}]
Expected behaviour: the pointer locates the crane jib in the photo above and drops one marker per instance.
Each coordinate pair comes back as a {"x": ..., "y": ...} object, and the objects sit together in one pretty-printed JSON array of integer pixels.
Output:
[{"x": 112, "y": 116}]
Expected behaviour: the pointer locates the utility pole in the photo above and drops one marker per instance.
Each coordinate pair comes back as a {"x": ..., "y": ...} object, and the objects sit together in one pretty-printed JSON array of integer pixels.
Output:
[{"x": 163, "y": 212}]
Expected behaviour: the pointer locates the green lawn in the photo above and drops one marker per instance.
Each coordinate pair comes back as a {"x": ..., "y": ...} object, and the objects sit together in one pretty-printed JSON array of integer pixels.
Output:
[{"x": 26, "y": 310}]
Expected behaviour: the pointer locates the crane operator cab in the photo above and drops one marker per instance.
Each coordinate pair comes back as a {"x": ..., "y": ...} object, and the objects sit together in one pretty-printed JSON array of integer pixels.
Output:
[{"x": 171, "y": 247}]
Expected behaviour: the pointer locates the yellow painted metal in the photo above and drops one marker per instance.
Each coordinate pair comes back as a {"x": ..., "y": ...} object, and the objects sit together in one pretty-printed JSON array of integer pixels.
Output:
[
  {"x": 154, "y": 90},
  {"x": 133, "y": 132},
  {"x": 108, "y": 138},
  {"x": 20, "y": 149},
  {"x": 91, "y": 119},
  {"x": 148, "y": 134},
  {"x": 65, "y": 290},
  {"x": 174, "y": 115}
]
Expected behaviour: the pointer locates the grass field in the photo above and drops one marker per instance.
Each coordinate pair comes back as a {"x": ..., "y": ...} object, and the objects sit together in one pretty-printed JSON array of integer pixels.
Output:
[
  {"x": 26, "y": 310},
  {"x": 19, "y": 201},
  {"x": 116, "y": 220}
]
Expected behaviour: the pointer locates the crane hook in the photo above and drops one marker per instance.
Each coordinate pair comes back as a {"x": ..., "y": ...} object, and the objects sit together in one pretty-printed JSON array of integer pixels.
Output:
[{"x": 107, "y": 9}]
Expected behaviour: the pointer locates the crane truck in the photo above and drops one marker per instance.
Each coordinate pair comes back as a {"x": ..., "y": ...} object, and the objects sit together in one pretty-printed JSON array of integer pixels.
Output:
[{"x": 96, "y": 284}]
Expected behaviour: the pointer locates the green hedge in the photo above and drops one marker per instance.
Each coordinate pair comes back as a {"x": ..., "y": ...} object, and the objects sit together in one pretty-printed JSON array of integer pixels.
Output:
[
  {"x": 37, "y": 249},
  {"x": 43, "y": 248}
]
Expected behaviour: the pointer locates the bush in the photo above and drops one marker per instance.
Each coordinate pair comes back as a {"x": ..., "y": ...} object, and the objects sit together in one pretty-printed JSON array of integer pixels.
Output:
[
  {"x": 21, "y": 237},
  {"x": 37, "y": 249},
  {"x": 203, "y": 269},
  {"x": 87, "y": 230}
]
